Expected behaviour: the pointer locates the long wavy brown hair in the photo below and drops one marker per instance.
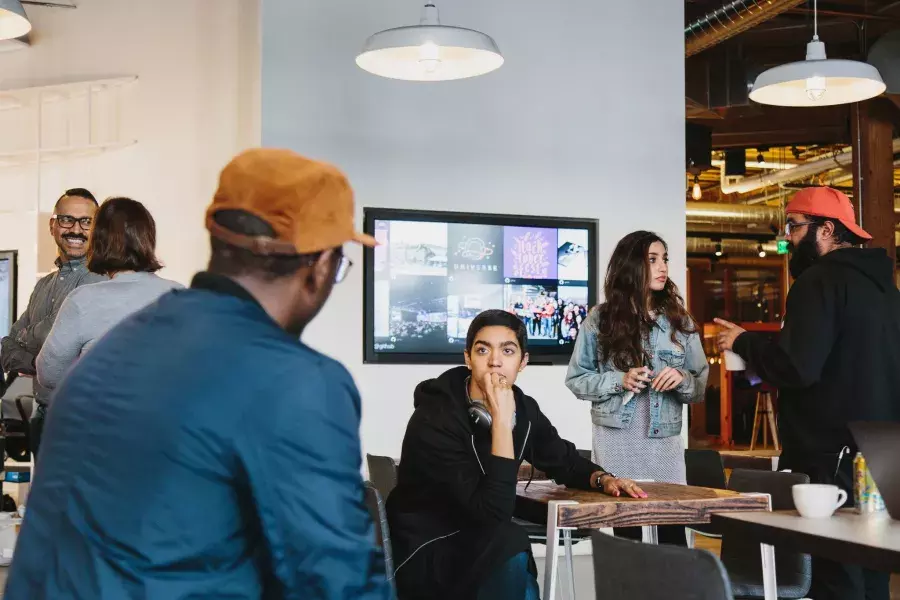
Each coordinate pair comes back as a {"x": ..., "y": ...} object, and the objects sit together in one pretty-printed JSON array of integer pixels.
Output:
[{"x": 624, "y": 318}]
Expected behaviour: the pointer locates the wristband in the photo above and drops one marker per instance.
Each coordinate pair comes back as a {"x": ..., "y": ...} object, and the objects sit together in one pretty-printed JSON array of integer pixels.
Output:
[{"x": 602, "y": 475}]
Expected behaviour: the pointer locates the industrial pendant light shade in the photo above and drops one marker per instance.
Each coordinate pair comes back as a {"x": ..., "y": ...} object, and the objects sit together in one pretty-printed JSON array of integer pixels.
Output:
[
  {"x": 430, "y": 51},
  {"x": 13, "y": 21},
  {"x": 818, "y": 80}
]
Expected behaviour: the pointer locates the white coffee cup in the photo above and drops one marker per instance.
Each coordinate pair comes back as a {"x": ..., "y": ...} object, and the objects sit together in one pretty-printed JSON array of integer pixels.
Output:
[
  {"x": 734, "y": 362},
  {"x": 816, "y": 500}
]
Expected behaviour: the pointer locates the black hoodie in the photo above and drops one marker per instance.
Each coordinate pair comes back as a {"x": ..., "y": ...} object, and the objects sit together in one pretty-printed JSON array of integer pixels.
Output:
[
  {"x": 838, "y": 356},
  {"x": 452, "y": 492}
]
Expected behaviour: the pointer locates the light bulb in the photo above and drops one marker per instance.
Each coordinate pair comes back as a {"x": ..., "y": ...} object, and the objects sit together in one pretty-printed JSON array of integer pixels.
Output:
[
  {"x": 718, "y": 249},
  {"x": 815, "y": 88},
  {"x": 762, "y": 253},
  {"x": 696, "y": 192},
  {"x": 430, "y": 57}
]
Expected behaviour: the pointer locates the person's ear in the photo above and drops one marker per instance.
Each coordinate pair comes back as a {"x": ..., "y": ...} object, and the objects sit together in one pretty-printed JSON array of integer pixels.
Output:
[
  {"x": 50, "y": 225},
  {"x": 826, "y": 230},
  {"x": 524, "y": 363},
  {"x": 468, "y": 359},
  {"x": 323, "y": 269}
]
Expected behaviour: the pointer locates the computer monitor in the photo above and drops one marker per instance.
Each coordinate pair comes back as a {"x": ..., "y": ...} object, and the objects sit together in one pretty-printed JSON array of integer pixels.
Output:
[{"x": 8, "y": 289}]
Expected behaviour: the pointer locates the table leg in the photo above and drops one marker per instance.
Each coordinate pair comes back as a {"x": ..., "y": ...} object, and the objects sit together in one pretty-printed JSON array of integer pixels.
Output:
[
  {"x": 570, "y": 563},
  {"x": 551, "y": 559},
  {"x": 649, "y": 534},
  {"x": 770, "y": 586}
]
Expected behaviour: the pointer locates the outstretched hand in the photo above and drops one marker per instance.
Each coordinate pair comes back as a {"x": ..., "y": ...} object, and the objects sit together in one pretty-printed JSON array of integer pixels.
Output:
[
  {"x": 615, "y": 486},
  {"x": 728, "y": 334}
]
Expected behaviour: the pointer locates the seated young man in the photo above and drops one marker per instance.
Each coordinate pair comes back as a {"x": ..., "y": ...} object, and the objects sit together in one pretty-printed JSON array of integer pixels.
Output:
[{"x": 450, "y": 514}]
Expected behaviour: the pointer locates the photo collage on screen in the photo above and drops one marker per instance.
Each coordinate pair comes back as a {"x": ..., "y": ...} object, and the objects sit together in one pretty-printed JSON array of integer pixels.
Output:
[{"x": 433, "y": 279}]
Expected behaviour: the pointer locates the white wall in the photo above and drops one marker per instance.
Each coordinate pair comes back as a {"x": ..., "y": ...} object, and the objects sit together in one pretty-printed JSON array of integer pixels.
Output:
[
  {"x": 196, "y": 103},
  {"x": 585, "y": 119}
]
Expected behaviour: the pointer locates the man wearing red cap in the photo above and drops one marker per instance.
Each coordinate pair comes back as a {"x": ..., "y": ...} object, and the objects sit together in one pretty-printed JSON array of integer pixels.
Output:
[
  {"x": 836, "y": 360},
  {"x": 200, "y": 449}
]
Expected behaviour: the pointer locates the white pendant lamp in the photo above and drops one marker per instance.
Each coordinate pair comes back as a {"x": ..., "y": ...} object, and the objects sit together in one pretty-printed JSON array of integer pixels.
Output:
[
  {"x": 817, "y": 81},
  {"x": 430, "y": 51},
  {"x": 14, "y": 22}
]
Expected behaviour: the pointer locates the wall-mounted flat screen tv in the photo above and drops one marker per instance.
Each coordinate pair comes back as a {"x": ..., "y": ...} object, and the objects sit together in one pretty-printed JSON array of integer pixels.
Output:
[{"x": 433, "y": 272}]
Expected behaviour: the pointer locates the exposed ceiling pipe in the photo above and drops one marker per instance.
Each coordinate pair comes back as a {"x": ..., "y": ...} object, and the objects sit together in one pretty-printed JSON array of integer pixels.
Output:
[
  {"x": 840, "y": 178},
  {"x": 733, "y": 231},
  {"x": 699, "y": 245},
  {"x": 777, "y": 195},
  {"x": 751, "y": 217},
  {"x": 754, "y": 164},
  {"x": 731, "y": 19},
  {"x": 841, "y": 159}
]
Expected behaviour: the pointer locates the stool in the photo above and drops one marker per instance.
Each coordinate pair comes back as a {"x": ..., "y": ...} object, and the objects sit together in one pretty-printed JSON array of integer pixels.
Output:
[{"x": 764, "y": 418}]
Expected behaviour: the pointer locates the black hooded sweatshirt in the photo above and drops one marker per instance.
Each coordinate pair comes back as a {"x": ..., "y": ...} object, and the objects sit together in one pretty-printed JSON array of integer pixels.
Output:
[
  {"x": 450, "y": 514},
  {"x": 837, "y": 359}
]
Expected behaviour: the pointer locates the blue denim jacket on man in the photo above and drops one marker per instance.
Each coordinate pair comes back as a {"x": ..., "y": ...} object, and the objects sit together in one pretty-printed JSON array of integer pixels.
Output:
[{"x": 601, "y": 383}]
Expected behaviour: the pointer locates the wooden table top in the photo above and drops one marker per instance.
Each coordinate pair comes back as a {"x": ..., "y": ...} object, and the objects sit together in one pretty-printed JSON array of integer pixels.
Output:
[
  {"x": 667, "y": 504},
  {"x": 869, "y": 540}
]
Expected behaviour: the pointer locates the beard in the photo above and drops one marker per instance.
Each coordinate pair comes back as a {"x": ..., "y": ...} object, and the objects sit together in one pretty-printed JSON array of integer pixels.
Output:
[{"x": 804, "y": 254}]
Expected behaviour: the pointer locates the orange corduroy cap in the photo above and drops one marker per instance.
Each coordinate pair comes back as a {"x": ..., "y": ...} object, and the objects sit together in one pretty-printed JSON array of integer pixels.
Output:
[
  {"x": 308, "y": 203},
  {"x": 826, "y": 202}
]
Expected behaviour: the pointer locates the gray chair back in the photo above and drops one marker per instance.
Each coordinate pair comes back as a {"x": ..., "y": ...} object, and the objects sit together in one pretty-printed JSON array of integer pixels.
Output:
[
  {"x": 375, "y": 504},
  {"x": 625, "y": 570},
  {"x": 793, "y": 572},
  {"x": 704, "y": 468},
  {"x": 382, "y": 473}
]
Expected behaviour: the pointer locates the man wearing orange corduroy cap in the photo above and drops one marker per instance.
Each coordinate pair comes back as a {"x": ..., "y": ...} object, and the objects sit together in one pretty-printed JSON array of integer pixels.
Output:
[
  {"x": 200, "y": 450},
  {"x": 837, "y": 359}
]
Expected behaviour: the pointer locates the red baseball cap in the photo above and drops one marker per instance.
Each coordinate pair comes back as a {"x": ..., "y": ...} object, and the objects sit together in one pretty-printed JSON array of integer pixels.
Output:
[{"x": 826, "y": 202}]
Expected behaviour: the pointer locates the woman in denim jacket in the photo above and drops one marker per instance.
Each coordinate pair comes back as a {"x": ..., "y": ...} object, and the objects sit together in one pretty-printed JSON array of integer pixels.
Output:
[{"x": 638, "y": 360}]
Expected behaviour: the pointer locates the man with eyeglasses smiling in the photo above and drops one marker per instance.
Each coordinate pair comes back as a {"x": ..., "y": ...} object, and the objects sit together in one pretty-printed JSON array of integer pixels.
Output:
[
  {"x": 200, "y": 449},
  {"x": 70, "y": 227}
]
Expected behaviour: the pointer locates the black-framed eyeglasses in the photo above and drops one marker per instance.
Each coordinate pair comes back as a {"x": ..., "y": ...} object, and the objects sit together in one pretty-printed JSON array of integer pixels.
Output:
[
  {"x": 343, "y": 268},
  {"x": 68, "y": 221},
  {"x": 789, "y": 225}
]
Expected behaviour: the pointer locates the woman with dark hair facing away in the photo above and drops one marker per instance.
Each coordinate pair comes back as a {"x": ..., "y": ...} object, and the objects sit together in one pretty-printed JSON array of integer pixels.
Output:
[
  {"x": 123, "y": 247},
  {"x": 638, "y": 360}
]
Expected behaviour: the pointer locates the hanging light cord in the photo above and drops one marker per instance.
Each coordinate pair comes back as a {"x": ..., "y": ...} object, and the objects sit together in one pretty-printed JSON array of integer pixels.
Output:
[{"x": 816, "y": 20}]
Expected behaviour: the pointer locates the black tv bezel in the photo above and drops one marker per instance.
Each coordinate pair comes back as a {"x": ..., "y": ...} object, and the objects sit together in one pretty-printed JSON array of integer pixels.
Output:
[
  {"x": 13, "y": 256},
  {"x": 538, "y": 355}
]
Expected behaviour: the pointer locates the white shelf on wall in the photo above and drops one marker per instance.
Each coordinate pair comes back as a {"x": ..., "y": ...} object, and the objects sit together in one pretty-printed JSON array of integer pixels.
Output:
[
  {"x": 47, "y": 155},
  {"x": 64, "y": 121},
  {"x": 14, "y": 99}
]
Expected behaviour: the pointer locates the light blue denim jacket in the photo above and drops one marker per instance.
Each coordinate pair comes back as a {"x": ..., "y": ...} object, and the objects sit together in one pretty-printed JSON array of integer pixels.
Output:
[{"x": 601, "y": 384}]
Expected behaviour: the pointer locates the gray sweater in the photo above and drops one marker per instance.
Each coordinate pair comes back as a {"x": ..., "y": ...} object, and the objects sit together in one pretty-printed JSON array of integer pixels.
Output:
[{"x": 89, "y": 312}]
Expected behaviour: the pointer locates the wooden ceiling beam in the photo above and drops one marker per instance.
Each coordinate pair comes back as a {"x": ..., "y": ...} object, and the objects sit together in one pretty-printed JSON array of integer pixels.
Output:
[
  {"x": 845, "y": 13},
  {"x": 780, "y": 137}
]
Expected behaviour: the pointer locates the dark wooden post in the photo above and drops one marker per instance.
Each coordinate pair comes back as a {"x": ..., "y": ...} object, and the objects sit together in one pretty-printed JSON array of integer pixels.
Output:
[{"x": 872, "y": 129}]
